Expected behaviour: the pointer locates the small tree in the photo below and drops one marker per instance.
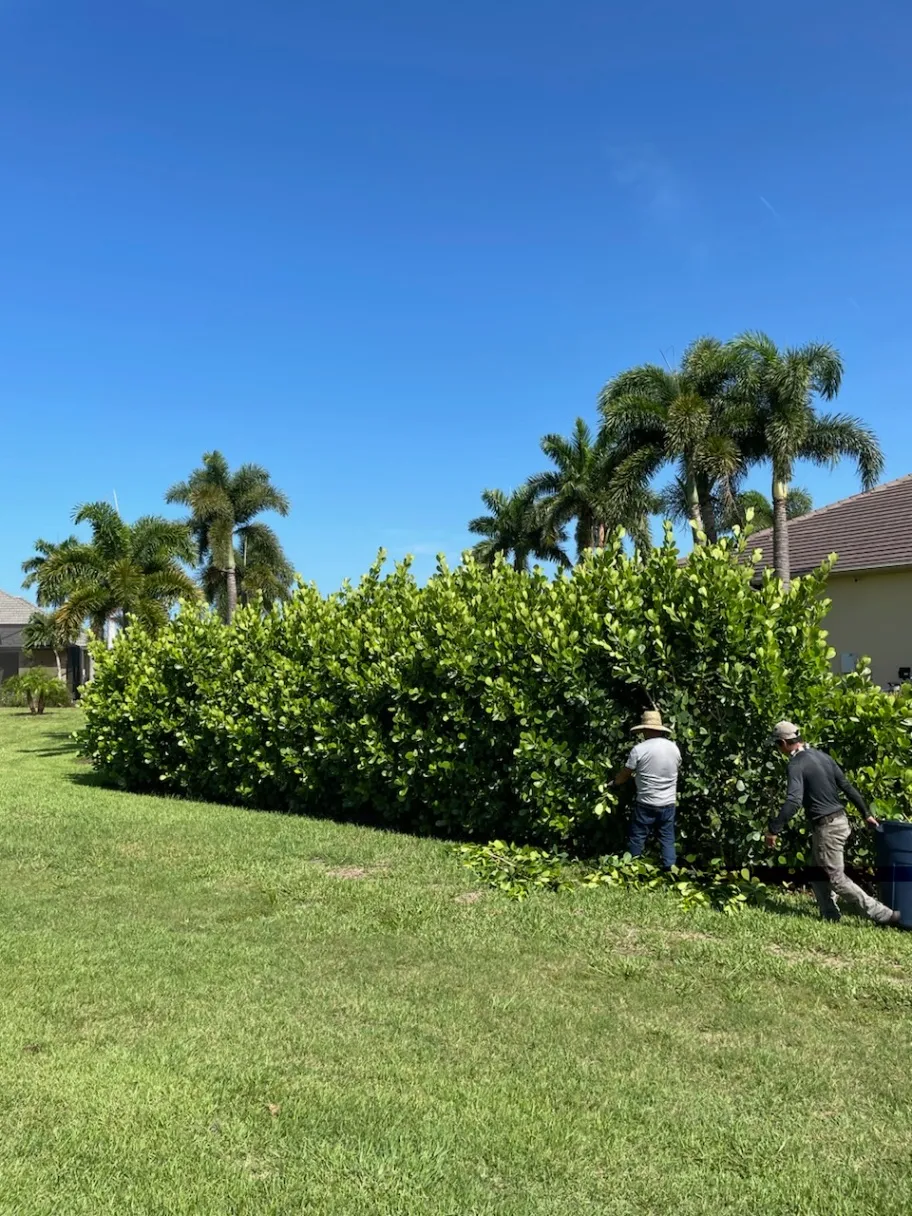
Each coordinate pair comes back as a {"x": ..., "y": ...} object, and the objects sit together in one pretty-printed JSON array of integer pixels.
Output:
[{"x": 37, "y": 689}]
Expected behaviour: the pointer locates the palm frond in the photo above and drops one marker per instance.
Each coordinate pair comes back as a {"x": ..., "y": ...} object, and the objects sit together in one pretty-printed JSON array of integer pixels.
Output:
[{"x": 830, "y": 437}]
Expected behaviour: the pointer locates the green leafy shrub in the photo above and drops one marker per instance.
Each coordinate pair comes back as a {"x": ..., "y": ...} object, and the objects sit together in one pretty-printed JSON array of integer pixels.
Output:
[
  {"x": 35, "y": 688},
  {"x": 487, "y": 704}
]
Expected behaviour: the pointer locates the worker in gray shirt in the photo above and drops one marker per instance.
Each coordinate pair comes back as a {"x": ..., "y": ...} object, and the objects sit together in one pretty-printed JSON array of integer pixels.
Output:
[
  {"x": 653, "y": 763},
  {"x": 817, "y": 783}
]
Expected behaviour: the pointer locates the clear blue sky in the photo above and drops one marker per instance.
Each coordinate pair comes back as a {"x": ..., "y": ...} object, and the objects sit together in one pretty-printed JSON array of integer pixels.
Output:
[{"x": 382, "y": 248}]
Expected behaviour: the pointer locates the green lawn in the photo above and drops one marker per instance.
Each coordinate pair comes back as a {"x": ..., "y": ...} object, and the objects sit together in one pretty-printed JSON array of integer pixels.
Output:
[{"x": 210, "y": 1011}]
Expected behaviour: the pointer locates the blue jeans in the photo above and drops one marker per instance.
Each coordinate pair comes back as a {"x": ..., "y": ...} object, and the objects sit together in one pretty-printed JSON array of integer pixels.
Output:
[{"x": 644, "y": 819}]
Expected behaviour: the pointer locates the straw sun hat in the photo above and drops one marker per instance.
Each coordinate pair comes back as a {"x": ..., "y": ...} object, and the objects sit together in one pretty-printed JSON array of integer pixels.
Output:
[{"x": 651, "y": 720}]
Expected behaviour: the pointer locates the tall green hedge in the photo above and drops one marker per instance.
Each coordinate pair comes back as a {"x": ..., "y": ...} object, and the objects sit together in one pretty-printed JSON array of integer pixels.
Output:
[{"x": 490, "y": 703}]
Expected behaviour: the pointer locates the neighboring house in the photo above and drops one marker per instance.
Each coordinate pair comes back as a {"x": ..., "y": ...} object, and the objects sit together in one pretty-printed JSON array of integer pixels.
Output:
[
  {"x": 14, "y": 615},
  {"x": 871, "y": 583}
]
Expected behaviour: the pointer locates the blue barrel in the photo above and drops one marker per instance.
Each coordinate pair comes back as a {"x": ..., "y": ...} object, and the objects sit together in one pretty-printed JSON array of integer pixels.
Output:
[{"x": 894, "y": 867}]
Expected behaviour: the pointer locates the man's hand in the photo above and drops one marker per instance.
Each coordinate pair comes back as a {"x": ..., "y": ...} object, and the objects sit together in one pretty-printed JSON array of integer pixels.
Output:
[
  {"x": 771, "y": 840},
  {"x": 872, "y": 822}
]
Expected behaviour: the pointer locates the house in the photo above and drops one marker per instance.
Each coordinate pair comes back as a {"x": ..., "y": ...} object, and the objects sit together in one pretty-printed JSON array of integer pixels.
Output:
[
  {"x": 15, "y": 613},
  {"x": 871, "y": 583}
]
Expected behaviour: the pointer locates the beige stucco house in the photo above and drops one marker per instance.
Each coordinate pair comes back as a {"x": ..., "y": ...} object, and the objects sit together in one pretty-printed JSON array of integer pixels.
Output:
[{"x": 871, "y": 583}]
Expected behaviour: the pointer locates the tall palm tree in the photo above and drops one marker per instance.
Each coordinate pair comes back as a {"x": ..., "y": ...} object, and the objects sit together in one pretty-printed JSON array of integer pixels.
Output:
[
  {"x": 693, "y": 417},
  {"x": 223, "y": 508},
  {"x": 261, "y": 571},
  {"x": 798, "y": 503},
  {"x": 517, "y": 525},
  {"x": 125, "y": 572},
  {"x": 786, "y": 426},
  {"x": 582, "y": 487}
]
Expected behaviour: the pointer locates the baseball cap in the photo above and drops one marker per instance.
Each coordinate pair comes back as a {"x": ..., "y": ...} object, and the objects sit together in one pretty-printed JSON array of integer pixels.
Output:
[{"x": 785, "y": 732}]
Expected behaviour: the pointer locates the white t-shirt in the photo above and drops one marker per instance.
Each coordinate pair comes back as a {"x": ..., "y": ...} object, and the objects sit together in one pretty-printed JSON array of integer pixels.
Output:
[{"x": 654, "y": 764}]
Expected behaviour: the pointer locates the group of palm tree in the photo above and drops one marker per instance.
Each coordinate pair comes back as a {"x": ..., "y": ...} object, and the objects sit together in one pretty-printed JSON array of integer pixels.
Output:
[
  {"x": 729, "y": 407},
  {"x": 129, "y": 572}
]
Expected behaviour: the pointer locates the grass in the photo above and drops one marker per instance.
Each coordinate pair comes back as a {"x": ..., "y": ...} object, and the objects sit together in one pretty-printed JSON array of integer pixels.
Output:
[{"x": 210, "y": 1011}]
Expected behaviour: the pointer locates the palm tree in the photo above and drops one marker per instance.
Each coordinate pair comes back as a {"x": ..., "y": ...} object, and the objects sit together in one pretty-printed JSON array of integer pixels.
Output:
[
  {"x": 693, "y": 417},
  {"x": 582, "y": 487},
  {"x": 53, "y": 569},
  {"x": 125, "y": 572},
  {"x": 223, "y": 509},
  {"x": 798, "y": 503},
  {"x": 517, "y": 525},
  {"x": 261, "y": 571},
  {"x": 47, "y": 631},
  {"x": 787, "y": 428}
]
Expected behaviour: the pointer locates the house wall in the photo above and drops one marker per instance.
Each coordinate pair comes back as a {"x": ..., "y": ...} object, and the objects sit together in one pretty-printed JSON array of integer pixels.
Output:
[
  {"x": 14, "y": 660},
  {"x": 871, "y": 615}
]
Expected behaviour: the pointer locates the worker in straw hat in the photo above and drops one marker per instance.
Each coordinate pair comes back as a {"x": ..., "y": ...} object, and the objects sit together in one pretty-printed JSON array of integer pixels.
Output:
[
  {"x": 653, "y": 763},
  {"x": 817, "y": 783}
]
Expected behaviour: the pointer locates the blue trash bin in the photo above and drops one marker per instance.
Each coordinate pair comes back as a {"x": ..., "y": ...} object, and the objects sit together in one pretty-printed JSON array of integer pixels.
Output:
[{"x": 894, "y": 867}]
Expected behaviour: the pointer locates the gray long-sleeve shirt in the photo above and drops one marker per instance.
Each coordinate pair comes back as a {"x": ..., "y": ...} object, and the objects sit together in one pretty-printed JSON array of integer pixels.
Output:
[{"x": 815, "y": 782}]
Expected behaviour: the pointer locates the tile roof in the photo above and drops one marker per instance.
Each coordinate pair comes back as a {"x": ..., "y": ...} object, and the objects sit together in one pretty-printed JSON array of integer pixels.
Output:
[
  {"x": 14, "y": 610},
  {"x": 871, "y": 531}
]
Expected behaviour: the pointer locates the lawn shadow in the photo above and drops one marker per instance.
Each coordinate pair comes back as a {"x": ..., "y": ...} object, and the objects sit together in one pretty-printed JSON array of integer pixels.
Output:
[
  {"x": 782, "y": 905},
  {"x": 55, "y": 743},
  {"x": 92, "y": 780}
]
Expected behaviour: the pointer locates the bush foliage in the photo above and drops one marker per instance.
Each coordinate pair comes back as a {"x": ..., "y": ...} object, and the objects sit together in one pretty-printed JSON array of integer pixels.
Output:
[{"x": 497, "y": 704}]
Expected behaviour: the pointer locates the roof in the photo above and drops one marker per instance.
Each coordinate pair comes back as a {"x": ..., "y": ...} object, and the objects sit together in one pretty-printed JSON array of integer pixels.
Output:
[
  {"x": 871, "y": 531},
  {"x": 14, "y": 610}
]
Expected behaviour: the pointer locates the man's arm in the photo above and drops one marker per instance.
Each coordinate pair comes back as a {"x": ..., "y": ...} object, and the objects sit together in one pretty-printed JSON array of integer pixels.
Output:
[
  {"x": 794, "y": 797},
  {"x": 846, "y": 787},
  {"x": 622, "y": 777}
]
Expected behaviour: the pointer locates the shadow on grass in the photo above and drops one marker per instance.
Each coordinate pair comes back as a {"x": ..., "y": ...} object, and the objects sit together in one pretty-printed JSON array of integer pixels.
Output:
[
  {"x": 54, "y": 743},
  {"x": 92, "y": 780}
]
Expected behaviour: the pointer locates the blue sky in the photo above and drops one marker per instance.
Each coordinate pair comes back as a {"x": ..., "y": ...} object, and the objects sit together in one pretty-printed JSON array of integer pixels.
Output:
[{"x": 382, "y": 249}]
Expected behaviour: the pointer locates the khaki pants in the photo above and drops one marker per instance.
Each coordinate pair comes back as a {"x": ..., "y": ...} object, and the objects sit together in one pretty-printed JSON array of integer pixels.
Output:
[{"x": 828, "y": 841}]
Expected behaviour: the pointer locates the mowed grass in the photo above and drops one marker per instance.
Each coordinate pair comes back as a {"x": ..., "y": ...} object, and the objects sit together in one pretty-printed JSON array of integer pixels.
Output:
[{"x": 206, "y": 1010}]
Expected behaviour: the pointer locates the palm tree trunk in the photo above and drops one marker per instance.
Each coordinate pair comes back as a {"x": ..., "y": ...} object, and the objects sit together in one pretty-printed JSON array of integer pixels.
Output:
[
  {"x": 59, "y": 664},
  {"x": 694, "y": 513},
  {"x": 708, "y": 514},
  {"x": 231, "y": 591},
  {"x": 781, "y": 556}
]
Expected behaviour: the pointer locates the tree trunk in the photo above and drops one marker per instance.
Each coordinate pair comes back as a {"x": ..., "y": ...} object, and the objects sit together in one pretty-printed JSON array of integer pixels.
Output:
[
  {"x": 781, "y": 556},
  {"x": 59, "y": 665},
  {"x": 694, "y": 513},
  {"x": 708, "y": 513},
  {"x": 231, "y": 591}
]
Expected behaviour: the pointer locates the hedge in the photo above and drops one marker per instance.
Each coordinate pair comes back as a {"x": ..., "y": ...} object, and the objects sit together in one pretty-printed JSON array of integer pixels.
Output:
[{"x": 497, "y": 704}]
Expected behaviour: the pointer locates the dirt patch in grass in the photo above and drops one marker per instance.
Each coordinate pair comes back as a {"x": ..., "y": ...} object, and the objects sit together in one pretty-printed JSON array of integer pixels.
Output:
[
  {"x": 811, "y": 956},
  {"x": 687, "y": 935},
  {"x": 349, "y": 872},
  {"x": 468, "y": 897}
]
